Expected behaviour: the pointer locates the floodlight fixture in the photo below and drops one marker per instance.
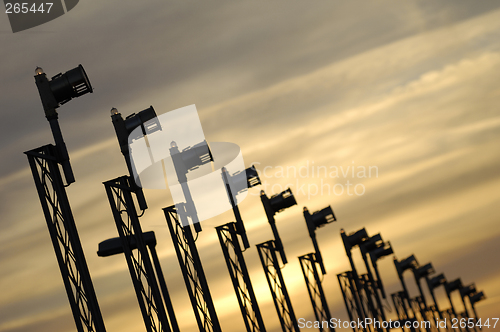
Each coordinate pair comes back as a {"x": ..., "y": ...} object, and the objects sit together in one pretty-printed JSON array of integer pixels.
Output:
[
  {"x": 454, "y": 285},
  {"x": 353, "y": 239},
  {"x": 467, "y": 290},
  {"x": 54, "y": 93},
  {"x": 384, "y": 249},
  {"x": 196, "y": 155},
  {"x": 405, "y": 264},
  {"x": 114, "y": 246},
  {"x": 423, "y": 271},
  {"x": 237, "y": 183},
  {"x": 477, "y": 297},
  {"x": 371, "y": 243},
  {"x": 149, "y": 123},
  {"x": 314, "y": 221},
  {"x": 61, "y": 88},
  {"x": 436, "y": 281},
  {"x": 273, "y": 205},
  {"x": 319, "y": 218},
  {"x": 74, "y": 83},
  {"x": 253, "y": 178},
  {"x": 242, "y": 181},
  {"x": 187, "y": 160},
  {"x": 282, "y": 201}
]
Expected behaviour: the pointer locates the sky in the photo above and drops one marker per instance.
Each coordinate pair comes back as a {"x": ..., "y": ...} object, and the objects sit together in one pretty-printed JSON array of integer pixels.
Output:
[{"x": 407, "y": 89}]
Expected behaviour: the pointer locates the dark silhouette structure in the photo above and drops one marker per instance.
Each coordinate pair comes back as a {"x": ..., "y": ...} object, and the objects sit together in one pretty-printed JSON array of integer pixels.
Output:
[
  {"x": 192, "y": 270},
  {"x": 119, "y": 192},
  {"x": 44, "y": 163},
  {"x": 309, "y": 264},
  {"x": 267, "y": 254},
  {"x": 141, "y": 268},
  {"x": 364, "y": 298},
  {"x": 233, "y": 255}
]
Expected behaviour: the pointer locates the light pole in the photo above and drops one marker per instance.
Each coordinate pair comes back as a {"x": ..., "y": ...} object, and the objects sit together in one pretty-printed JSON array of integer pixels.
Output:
[
  {"x": 233, "y": 255},
  {"x": 433, "y": 283},
  {"x": 349, "y": 281},
  {"x": 401, "y": 300},
  {"x": 267, "y": 254},
  {"x": 419, "y": 273},
  {"x": 44, "y": 163},
  {"x": 273, "y": 205},
  {"x": 147, "y": 121},
  {"x": 376, "y": 248},
  {"x": 119, "y": 192},
  {"x": 450, "y": 287},
  {"x": 309, "y": 262}
]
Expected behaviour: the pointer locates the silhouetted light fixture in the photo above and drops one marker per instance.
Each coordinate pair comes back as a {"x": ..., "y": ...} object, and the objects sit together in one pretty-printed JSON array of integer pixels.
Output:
[
  {"x": 353, "y": 239},
  {"x": 314, "y": 221},
  {"x": 405, "y": 264},
  {"x": 436, "y": 281},
  {"x": 423, "y": 271},
  {"x": 62, "y": 87},
  {"x": 240, "y": 182},
  {"x": 371, "y": 243},
  {"x": 114, "y": 246},
  {"x": 252, "y": 177},
  {"x": 467, "y": 290},
  {"x": 384, "y": 249},
  {"x": 281, "y": 201},
  {"x": 273, "y": 205},
  {"x": 454, "y": 285},
  {"x": 74, "y": 83},
  {"x": 196, "y": 155},
  {"x": 319, "y": 218},
  {"x": 149, "y": 123},
  {"x": 59, "y": 90},
  {"x": 237, "y": 183},
  {"x": 477, "y": 297}
]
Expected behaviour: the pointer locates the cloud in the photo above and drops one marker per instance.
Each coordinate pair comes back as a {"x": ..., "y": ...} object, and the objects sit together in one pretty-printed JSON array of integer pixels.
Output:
[{"x": 295, "y": 86}]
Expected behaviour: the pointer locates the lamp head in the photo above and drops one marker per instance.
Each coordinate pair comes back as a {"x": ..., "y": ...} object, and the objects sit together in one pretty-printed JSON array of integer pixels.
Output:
[
  {"x": 467, "y": 290},
  {"x": 114, "y": 246},
  {"x": 454, "y": 285},
  {"x": 436, "y": 281},
  {"x": 384, "y": 249},
  {"x": 240, "y": 181},
  {"x": 405, "y": 264},
  {"x": 74, "y": 83},
  {"x": 371, "y": 243},
  {"x": 323, "y": 217},
  {"x": 252, "y": 177},
  {"x": 281, "y": 201},
  {"x": 423, "y": 271},
  {"x": 196, "y": 155},
  {"x": 143, "y": 120},
  {"x": 353, "y": 239},
  {"x": 477, "y": 297},
  {"x": 39, "y": 71}
]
